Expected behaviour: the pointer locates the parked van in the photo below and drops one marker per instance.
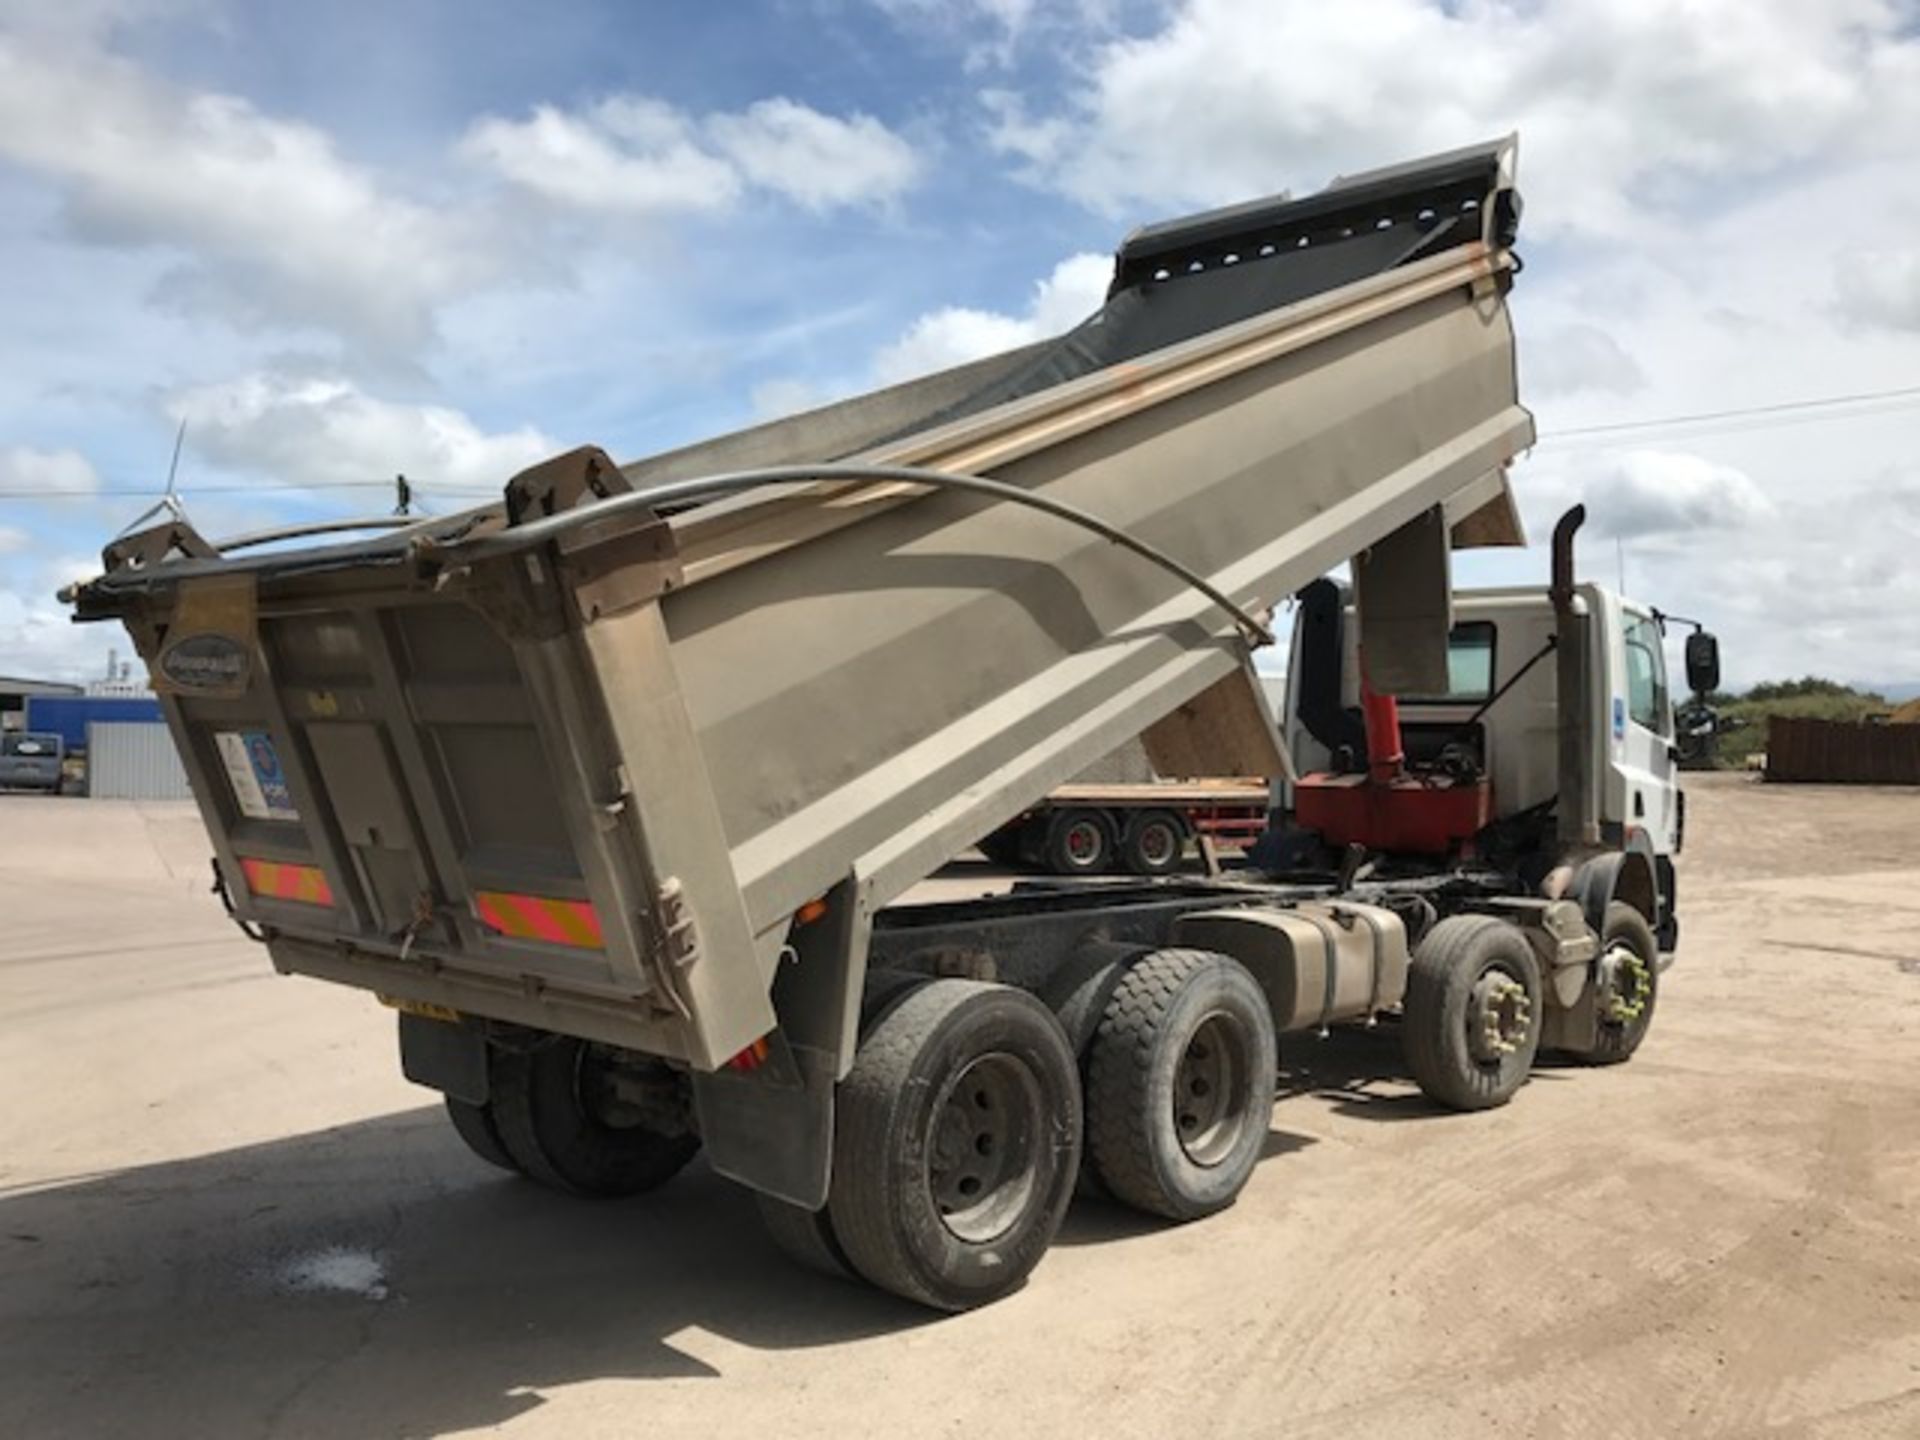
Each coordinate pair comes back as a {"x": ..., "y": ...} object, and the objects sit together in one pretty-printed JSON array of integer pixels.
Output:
[{"x": 31, "y": 760}]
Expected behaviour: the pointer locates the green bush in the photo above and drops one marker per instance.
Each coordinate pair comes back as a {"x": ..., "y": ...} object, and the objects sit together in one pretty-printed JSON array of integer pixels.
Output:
[{"x": 1809, "y": 698}]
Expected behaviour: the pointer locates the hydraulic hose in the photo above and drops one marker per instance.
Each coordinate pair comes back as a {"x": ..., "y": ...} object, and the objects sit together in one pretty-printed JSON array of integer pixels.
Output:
[{"x": 708, "y": 487}]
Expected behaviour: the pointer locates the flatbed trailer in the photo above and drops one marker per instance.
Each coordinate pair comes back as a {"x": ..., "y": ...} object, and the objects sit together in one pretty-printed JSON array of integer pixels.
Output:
[
  {"x": 609, "y": 787},
  {"x": 1142, "y": 828}
]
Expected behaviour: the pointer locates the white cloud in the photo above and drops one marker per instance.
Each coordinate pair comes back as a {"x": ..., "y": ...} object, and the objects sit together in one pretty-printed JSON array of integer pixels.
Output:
[
  {"x": 324, "y": 430},
  {"x": 1626, "y": 106},
  {"x": 39, "y": 640},
  {"x": 954, "y": 335},
  {"x": 818, "y": 161},
  {"x": 13, "y": 539},
  {"x": 1577, "y": 357},
  {"x": 271, "y": 222},
  {"x": 37, "y": 472},
  {"x": 1646, "y": 494},
  {"x": 635, "y": 155},
  {"x": 627, "y": 155},
  {"x": 1880, "y": 287}
]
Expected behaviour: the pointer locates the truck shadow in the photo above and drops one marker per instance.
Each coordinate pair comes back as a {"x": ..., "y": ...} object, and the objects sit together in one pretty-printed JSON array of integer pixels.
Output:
[
  {"x": 376, "y": 1279},
  {"x": 1365, "y": 1075}
]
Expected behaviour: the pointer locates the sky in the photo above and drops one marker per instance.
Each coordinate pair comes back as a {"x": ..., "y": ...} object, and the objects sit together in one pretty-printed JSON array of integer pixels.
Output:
[{"x": 447, "y": 238}]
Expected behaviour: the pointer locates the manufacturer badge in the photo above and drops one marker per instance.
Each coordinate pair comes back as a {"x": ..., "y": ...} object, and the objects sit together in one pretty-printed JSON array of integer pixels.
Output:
[{"x": 207, "y": 663}]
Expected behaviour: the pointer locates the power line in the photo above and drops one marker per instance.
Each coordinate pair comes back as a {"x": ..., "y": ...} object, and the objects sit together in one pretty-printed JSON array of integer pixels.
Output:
[
  {"x": 1780, "y": 412},
  {"x": 1801, "y": 408},
  {"x": 142, "y": 492}
]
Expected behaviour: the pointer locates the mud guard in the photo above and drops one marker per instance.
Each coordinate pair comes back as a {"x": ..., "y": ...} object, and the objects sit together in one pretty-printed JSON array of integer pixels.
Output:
[
  {"x": 769, "y": 1125},
  {"x": 1628, "y": 875}
]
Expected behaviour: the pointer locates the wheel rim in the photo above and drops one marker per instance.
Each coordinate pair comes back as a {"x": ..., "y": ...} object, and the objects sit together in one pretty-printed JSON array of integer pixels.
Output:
[
  {"x": 1629, "y": 987},
  {"x": 597, "y": 1098},
  {"x": 982, "y": 1164},
  {"x": 1084, "y": 843},
  {"x": 1211, "y": 1087},
  {"x": 1499, "y": 1016},
  {"x": 1156, "y": 843}
]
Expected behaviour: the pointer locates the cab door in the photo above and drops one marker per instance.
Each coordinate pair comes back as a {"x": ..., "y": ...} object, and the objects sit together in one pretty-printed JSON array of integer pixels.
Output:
[{"x": 1642, "y": 732}]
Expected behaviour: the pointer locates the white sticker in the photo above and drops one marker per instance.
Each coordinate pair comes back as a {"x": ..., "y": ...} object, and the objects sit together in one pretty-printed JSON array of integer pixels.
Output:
[{"x": 253, "y": 769}]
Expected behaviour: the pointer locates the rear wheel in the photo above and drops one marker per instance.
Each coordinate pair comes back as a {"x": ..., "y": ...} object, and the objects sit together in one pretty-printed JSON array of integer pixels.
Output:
[
  {"x": 1180, "y": 1083},
  {"x": 566, "y": 1122},
  {"x": 1472, "y": 1012},
  {"x": 474, "y": 1124},
  {"x": 1155, "y": 843},
  {"x": 957, "y": 1137},
  {"x": 804, "y": 1236},
  {"x": 1079, "y": 842},
  {"x": 1629, "y": 984}
]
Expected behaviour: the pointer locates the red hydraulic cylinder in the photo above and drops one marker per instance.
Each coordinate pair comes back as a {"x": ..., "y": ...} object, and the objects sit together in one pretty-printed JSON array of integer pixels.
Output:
[{"x": 1385, "y": 756}]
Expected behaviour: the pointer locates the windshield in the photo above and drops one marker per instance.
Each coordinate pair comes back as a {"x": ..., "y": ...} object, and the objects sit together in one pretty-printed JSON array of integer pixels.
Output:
[{"x": 47, "y": 746}]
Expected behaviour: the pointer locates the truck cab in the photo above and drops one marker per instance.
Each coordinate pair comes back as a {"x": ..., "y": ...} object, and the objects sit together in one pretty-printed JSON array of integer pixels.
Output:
[{"x": 1500, "y": 714}]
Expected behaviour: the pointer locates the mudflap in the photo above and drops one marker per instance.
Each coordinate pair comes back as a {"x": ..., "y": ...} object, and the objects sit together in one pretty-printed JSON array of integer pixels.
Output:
[
  {"x": 770, "y": 1127},
  {"x": 445, "y": 1055}
]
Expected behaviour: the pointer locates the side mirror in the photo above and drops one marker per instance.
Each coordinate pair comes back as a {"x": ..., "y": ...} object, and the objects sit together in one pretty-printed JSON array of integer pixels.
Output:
[{"x": 1703, "y": 662}]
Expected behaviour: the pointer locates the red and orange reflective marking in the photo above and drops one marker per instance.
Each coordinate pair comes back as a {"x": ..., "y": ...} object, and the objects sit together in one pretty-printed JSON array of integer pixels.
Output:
[
  {"x": 539, "y": 917},
  {"x": 274, "y": 880}
]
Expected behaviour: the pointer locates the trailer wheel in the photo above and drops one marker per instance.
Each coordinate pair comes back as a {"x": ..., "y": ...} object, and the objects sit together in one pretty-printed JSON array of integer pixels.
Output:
[
  {"x": 1003, "y": 846},
  {"x": 1079, "y": 842},
  {"x": 956, "y": 1140},
  {"x": 804, "y": 1236},
  {"x": 1181, "y": 1080},
  {"x": 474, "y": 1124},
  {"x": 562, "y": 1123},
  {"x": 1472, "y": 1012},
  {"x": 1155, "y": 843},
  {"x": 1631, "y": 984}
]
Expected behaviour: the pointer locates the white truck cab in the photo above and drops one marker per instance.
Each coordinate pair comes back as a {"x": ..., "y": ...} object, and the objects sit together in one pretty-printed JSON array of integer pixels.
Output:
[{"x": 1502, "y": 712}]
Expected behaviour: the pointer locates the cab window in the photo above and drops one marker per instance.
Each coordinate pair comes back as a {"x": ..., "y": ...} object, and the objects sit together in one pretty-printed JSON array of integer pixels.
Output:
[
  {"x": 1469, "y": 664},
  {"x": 1646, "y": 675}
]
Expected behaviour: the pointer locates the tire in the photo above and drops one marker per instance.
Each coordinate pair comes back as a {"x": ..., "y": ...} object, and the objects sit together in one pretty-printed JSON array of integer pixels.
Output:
[
  {"x": 1003, "y": 847},
  {"x": 1079, "y": 842},
  {"x": 1455, "y": 1000},
  {"x": 552, "y": 1118},
  {"x": 1077, "y": 994},
  {"x": 1620, "y": 1036},
  {"x": 1180, "y": 1084},
  {"x": 1155, "y": 843},
  {"x": 474, "y": 1124},
  {"x": 804, "y": 1236},
  {"x": 956, "y": 1141}
]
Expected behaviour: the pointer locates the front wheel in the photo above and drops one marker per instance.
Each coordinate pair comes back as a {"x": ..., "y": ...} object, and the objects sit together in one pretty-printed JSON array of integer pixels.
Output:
[
  {"x": 1629, "y": 984},
  {"x": 956, "y": 1143},
  {"x": 1471, "y": 1025}
]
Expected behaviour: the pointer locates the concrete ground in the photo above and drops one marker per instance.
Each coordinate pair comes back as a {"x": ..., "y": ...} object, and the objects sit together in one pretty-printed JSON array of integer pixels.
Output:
[{"x": 222, "y": 1212}]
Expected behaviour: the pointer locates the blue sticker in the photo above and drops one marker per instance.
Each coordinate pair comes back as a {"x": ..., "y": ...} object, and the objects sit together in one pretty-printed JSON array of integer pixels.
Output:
[
  {"x": 253, "y": 770},
  {"x": 1619, "y": 718}
]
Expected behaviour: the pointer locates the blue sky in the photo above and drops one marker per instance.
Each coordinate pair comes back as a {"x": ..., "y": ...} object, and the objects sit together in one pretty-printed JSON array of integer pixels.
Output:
[{"x": 448, "y": 238}]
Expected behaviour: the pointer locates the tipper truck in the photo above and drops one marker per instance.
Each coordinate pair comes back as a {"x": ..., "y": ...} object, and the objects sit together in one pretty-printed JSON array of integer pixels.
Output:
[{"x": 610, "y": 787}]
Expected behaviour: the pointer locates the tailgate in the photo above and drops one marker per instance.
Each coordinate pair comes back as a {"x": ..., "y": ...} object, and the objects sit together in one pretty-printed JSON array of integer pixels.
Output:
[{"x": 418, "y": 792}]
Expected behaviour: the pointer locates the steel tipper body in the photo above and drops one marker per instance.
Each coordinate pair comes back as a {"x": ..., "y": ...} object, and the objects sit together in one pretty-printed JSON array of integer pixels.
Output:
[{"x": 633, "y": 759}]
